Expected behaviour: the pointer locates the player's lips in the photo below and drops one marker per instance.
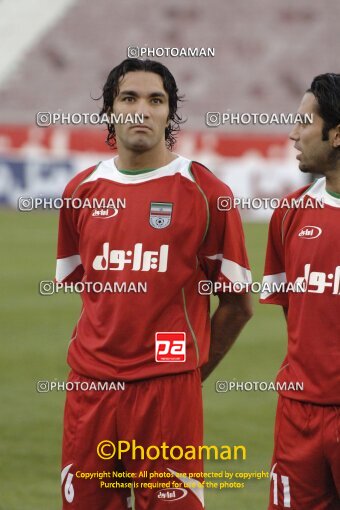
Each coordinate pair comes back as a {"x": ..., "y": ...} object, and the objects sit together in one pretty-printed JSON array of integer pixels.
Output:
[
  {"x": 298, "y": 156},
  {"x": 141, "y": 127}
]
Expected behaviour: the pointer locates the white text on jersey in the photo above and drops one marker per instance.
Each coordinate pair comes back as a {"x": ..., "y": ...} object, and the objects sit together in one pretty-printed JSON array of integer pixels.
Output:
[
  {"x": 139, "y": 260},
  {"x": 316, "y": 282}
]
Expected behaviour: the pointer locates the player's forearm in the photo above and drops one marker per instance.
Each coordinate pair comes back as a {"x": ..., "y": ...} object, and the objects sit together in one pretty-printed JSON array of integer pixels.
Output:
[{"x": 226, "y": 325}]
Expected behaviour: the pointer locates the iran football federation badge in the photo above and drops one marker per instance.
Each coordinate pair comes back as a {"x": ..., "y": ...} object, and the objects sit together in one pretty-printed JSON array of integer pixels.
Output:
[{"x": 160, "y": 214}]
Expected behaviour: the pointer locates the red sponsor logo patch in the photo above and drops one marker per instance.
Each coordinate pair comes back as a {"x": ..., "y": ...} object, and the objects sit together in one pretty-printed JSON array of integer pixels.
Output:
[{"x": 170, "y": 346}]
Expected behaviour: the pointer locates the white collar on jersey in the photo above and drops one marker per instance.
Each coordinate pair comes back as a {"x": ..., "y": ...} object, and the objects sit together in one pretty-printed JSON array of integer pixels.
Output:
[
  {"x": 108, "y": 170},
  {"x": 318, "y": 191}
]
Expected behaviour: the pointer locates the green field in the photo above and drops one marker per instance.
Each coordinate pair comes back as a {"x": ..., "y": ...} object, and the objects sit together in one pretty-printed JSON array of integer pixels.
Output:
[{"x": 35, "y": 333}]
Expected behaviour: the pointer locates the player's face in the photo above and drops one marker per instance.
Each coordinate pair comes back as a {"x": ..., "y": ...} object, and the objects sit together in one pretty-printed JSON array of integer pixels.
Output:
[
  {"x": 142, "y": 93},
  {"x": 314, "y": 154}
]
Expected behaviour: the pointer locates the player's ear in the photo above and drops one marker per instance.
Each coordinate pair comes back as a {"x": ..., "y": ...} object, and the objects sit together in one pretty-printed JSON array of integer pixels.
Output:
[{"x": 336, "y": 137}]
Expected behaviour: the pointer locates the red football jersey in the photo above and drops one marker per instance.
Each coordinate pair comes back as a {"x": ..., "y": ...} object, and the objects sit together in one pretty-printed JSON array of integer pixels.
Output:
[
  {"x": 165, "y": 233},
  {"x": 303, "y": 255}
]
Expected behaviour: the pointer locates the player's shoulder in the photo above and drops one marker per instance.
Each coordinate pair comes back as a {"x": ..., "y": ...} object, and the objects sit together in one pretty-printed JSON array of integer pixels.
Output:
[
  {"x": 290, "y": 203},
  {"x": 299, "y": 193},
  {"x": 207, "y": 180},
  {"x": 75, "y": 182}
]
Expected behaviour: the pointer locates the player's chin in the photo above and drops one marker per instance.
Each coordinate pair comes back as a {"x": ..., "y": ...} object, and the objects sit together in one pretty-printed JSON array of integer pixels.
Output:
[
  {"x": 304, "y": 168},
  {"x": 309, "y": 168},
  {"x": 140, "y": 144}
]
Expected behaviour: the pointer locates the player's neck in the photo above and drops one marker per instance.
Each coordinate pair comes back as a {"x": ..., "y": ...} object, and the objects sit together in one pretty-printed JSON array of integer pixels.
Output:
[
  {"x": 333, "y": 180},
  {"x": 128, "y": 160}
]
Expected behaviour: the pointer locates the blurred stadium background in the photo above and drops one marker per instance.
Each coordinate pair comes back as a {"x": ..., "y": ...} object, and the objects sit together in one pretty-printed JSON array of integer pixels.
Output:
[{"x": 54, "y": 57}]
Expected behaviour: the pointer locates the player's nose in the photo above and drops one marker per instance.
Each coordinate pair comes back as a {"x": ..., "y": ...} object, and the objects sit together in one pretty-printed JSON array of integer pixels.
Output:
[
  {"x": 294, "y": 133},
  {"x": 143, "y": 109}
]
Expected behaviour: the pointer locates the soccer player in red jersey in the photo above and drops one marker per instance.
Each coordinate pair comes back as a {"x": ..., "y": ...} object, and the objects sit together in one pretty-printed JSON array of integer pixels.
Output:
[
  {"x": 303, "y": 255},
  {"x": 166, "y": 233}
]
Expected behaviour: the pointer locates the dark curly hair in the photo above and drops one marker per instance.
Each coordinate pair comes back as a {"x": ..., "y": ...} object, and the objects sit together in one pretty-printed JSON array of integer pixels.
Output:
[
  {"x": 326, "y": 89},
  {"x": 111, "y": 90}
]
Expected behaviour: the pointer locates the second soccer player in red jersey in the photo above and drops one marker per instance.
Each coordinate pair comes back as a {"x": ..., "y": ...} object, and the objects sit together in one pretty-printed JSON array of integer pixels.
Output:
[
  {"x": 304, "y": 253},
  {"x": 160, "y": 238}
]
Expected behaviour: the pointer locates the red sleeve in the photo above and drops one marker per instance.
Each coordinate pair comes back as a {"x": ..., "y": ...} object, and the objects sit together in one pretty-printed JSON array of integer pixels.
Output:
[
  {"x": 69, "y": 266},
  {"x": 222, "y": 255},
  {"x": 274, "y": 279}
]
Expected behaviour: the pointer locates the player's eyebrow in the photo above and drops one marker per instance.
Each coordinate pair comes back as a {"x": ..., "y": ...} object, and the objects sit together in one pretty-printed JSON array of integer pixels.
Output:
[
  {"x": 157, "y": 94},
  {"x": 128, "y": 93},
  {"x": 135, "y": 94}
]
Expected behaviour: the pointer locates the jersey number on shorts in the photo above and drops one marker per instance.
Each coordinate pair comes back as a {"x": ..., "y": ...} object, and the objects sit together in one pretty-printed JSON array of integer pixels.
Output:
[
  {"x": 68, "y": 487},
  {"x": 286, "y": 489}
]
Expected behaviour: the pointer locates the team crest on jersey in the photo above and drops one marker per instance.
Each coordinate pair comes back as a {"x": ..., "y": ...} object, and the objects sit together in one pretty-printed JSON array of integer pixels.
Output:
[{"x": 160, "y": 214}]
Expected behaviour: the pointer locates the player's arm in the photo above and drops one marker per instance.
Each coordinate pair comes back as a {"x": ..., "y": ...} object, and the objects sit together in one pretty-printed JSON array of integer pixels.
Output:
[
  {"x": 233, "y": 312},
  {"x": 224, "y": 261},
  {"x": 274, "y": 279},
  {"x": 69, "y": 266}
]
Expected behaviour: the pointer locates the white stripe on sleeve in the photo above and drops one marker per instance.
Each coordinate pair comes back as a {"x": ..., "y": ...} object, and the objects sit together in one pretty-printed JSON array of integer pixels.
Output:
[
  {"x": 274, "y": 282},
  {"x": 231, "y": 270},
  {"x": 66, "y": 266}
]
